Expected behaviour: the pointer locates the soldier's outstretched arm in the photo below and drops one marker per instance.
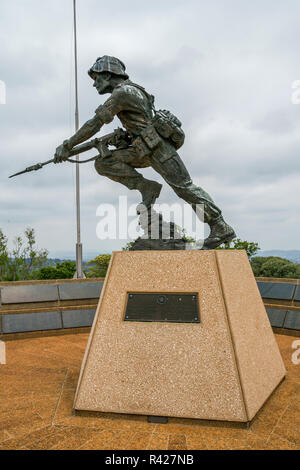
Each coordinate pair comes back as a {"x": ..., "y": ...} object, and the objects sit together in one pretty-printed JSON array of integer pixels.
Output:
[{"x": 90, "y": 128}]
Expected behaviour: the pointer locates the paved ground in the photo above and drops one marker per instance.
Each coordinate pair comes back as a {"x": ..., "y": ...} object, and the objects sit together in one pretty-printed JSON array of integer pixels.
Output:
[{"x": 37, "y": 387}]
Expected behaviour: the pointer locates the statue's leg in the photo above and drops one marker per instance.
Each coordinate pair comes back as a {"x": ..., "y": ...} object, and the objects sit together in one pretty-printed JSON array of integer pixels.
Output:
[
  {"x": 167, "y": 162},
  {"x": 120, "y": 167}
]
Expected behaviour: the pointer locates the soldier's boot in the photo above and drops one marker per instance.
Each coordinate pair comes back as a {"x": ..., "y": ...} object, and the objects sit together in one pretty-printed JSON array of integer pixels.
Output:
[
  {"x": 150, "y": 191},
  {"x": 220, "y": 232}
]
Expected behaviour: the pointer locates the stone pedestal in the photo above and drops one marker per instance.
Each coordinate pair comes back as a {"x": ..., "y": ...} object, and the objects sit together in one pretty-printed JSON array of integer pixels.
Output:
[{"x": 221, "y": 368}]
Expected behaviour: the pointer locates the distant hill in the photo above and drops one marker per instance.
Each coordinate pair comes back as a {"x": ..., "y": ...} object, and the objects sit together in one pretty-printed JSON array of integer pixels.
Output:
[
  {"x": 54, "y": 261},
  {"x": 70, "y": 255},
  {"x": 291, "y": 255}
]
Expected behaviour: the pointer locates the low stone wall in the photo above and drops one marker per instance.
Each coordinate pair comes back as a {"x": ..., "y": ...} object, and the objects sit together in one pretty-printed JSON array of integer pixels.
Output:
[
  {"x": 282, "y": 301},
  {"x": 68, "y": 305},
  {"x": 27, "y": 306}
]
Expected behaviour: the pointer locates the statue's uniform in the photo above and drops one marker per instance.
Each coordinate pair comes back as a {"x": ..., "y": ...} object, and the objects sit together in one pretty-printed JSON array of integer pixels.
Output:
[{"x": 132, "y": 104}]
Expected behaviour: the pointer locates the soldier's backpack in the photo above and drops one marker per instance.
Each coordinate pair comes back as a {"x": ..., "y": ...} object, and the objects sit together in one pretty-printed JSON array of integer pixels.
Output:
[{"x": 164, "y": 122}]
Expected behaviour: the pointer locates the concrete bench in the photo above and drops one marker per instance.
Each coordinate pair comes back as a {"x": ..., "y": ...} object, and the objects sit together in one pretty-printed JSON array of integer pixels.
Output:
[
  {"x": 28, "y": 294},
  {"x": 78, "y": 318},
  {"x": 66, "y": 313},
  {"x": 21, "y": 322},
  {"x": 297, "y": 293},
  {"x": 48, "y": 306},
  {"x": 276, "y": 316},
  {"x": 292, "y": 320},
  {"x": 40, "y": 321},
  {"x": 281, "y": 318},
  {"x": 84, "y": 290},
  {"x": 276, "y": 290}
]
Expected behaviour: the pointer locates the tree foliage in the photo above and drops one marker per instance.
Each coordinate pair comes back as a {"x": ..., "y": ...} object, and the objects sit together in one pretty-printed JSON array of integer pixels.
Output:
[
  {"x": 4, "y": 256},
  {"x": 64, "y": 270},
  {"x": 237, "y": 244},
  {"x": 274, "y": 266},
  {"x": 128, "y": 245},
  {"x": 98, "y": 266},
  {"x": 24, "y": 258}
]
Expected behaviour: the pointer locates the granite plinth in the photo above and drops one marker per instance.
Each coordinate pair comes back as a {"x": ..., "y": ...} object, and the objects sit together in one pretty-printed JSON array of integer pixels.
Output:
[{"x": 223, "y": 368}]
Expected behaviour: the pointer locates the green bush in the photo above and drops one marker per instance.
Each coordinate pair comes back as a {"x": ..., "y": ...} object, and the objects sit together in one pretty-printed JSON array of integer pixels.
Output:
[
  {"x": 98, "y": 266},
  {"x": 24, "y": 258},
  {"x": 64, "y": 270},
  {"x": 274, "y": 266},
  {"x": 237, "y": 244}
]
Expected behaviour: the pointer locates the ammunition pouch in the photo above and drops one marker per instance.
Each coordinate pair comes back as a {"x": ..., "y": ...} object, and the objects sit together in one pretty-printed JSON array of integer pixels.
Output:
[
  {"x": 151, "y": 137},
  {"x": 147, "y": 141},
  {"x": 169, "y": 127},
  {"x": 164, "y": 125},
  {"x": 141, "y": 148}
]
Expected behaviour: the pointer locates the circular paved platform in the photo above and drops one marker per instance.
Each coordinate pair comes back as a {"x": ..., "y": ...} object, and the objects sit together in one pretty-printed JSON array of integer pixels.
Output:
[{"x": 37, "y": 387}]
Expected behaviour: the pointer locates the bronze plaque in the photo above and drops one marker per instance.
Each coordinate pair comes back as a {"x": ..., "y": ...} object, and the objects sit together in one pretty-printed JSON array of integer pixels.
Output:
[{"x": 162, "y": 307}]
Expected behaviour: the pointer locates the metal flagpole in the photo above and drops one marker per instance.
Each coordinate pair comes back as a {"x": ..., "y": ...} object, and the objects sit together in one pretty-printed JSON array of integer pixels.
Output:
[{"x": 79, "y": 273}]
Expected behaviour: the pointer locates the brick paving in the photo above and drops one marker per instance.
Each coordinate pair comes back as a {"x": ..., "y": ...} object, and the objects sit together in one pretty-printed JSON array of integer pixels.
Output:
[{"x": 37, "y": 387}]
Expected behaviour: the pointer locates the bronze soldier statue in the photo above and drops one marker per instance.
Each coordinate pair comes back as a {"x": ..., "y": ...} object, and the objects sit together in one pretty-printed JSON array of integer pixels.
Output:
[{"x": 153, "y": 138}]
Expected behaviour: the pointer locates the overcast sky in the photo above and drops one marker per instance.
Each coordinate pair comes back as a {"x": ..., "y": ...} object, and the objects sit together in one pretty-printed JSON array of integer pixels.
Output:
[{"x": 224, "y": 67}]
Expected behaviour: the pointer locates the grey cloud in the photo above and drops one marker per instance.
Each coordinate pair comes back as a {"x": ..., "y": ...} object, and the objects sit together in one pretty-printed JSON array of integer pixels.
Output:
[{"x": 224, "y": 67}]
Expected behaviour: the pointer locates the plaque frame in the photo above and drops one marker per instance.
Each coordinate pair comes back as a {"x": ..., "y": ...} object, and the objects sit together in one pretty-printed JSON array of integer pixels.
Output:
[{"x": 167, "y": 307}]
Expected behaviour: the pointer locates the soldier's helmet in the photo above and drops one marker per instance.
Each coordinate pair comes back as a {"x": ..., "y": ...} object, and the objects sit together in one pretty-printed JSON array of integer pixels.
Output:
[{"x": 108, "y": 64}]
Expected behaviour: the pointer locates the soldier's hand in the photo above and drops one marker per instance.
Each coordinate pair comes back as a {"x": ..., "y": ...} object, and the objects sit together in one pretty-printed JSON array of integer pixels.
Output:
[{"x": 62, "y": 153}]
